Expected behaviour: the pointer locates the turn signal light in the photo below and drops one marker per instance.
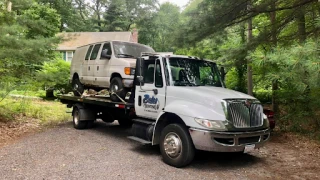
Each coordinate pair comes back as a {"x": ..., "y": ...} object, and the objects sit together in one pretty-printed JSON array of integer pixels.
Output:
[{"x": 127, "y": 70}]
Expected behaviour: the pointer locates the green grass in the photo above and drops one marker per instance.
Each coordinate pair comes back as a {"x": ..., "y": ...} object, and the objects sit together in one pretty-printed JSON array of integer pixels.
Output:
[
  {"x": 40, "y": 93},
  {"x": 44, "y": 112}
]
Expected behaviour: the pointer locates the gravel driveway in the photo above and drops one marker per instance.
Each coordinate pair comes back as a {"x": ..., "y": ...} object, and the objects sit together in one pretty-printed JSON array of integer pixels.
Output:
[{"x": 104, "y": 152}]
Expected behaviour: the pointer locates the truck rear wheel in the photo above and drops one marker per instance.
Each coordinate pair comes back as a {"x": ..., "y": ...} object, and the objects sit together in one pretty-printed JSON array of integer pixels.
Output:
[
  {"x": 116, "y": 86},
  {"x": 77, "y": 124},
  {"x": 176, "y": 146}
]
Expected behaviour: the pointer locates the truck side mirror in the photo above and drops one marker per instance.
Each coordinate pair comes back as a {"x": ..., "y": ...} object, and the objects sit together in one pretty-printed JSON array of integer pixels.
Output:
[
  {"x": 139, "y": 71},
  {"x": 223, "y": 73}
]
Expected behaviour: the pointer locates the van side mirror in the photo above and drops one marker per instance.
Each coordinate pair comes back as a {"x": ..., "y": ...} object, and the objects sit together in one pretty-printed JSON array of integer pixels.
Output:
[
  {"x": 104, "y": 54},
  {"x": 223, "y": 73}
]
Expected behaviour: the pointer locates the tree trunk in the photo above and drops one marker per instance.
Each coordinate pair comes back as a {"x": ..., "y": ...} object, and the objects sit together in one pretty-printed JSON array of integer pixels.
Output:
[
  {"x": 249, "y": 61},
  {"x": 9, "y": 6},
  {"x": 275, "y": 87},
  {"x": 301, "y": 19}
]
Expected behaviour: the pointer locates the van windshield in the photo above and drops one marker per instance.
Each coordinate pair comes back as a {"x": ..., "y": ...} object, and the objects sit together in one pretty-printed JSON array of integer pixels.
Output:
[
  {"x": 192, "y": 72},
  {"x": 130, "y": 50}
]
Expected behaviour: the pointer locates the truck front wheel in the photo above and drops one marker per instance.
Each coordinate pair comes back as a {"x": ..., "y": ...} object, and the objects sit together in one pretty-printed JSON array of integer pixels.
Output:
[{"x": 176, "y": 145}]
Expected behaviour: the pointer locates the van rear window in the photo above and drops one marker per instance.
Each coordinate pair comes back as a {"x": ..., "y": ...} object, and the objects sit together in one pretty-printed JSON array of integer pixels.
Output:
[
  {"x": 95, "y": 51},
  {"x": 88, "y": 52}
]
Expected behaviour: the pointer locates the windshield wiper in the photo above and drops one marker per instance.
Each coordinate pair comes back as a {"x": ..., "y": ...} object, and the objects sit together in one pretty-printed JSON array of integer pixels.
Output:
[{"x": 126, "y": 55}]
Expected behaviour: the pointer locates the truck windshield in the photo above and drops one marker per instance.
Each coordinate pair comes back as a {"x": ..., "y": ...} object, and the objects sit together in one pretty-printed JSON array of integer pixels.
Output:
[
  {"x": 192, "y": 72},
  {"x": 129, "y": 50}
]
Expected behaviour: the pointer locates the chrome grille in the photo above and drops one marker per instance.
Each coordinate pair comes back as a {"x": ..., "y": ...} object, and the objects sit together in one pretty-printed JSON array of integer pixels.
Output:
[{"x": 245, "y": 113}]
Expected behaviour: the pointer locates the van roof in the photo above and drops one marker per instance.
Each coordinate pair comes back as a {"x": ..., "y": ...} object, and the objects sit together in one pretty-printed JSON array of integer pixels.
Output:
[{"x": 114, "y": 41}]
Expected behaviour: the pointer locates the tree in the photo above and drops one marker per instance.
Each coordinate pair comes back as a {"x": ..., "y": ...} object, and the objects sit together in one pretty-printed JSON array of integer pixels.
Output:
[
  {"x": 54, "y": 75},
  {"x": 27, "y": 39}
]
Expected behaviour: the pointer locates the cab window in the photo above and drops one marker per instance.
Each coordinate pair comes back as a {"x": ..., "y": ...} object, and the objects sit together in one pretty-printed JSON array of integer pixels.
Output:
[
  {"x": 158, "y": 75},
  {"x": 149, "y": 71},
  {"x": 106, "y": 48},
  {"x": 95, "y": 52},
  {"x": 88, "y": 52}
]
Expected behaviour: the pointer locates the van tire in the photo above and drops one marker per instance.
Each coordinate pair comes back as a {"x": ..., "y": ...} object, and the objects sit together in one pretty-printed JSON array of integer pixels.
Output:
[
  {"x": 116, "y": 85},
  {"x": 77, "y": 87},
  {"x": 182, "y": 152}
]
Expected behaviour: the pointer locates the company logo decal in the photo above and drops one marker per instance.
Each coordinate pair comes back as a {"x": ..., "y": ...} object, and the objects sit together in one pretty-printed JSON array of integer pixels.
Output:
[{"x": 150, "y": 102}]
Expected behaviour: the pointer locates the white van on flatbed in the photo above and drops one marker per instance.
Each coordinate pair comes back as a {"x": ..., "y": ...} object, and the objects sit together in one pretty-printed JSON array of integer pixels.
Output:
[{"x": 105, "y": 65}]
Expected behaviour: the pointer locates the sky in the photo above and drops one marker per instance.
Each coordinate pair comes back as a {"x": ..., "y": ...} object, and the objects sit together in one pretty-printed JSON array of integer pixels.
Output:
[{"x": 180, "y": 3}]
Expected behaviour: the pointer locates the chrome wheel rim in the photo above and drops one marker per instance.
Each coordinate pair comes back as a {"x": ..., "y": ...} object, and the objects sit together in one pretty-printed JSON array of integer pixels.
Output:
[
  {"x": 75, "y": 86},
  {"x": 172, "y": 145},
  {"x": 76, "y": 117},
  {"x": 114, "y": 88}
]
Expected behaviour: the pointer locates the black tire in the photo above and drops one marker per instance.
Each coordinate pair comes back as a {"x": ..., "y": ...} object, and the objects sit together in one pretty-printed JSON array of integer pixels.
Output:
[
  {"x": 77, "y": 87},
  {"x": 77, "y": 124},
  {"x": 90, "y": 124},
  {"x": 125, "y": 122},
  {"x": 117, "y": 85},
  {"x": 182, "y": 157}
]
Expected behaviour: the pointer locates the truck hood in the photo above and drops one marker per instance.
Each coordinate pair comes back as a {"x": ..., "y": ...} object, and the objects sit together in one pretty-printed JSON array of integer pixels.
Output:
[
  {"x": 205, "y": 93},
  {"x": 201, "y": 101}
]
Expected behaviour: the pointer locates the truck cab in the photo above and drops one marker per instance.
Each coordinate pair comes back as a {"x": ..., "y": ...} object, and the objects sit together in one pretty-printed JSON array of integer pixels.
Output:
[{"x": 181, "y": 103}]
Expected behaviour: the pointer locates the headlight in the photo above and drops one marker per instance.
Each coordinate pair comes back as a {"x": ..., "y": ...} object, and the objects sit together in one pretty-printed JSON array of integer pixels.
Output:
[
  {"x": 266, "y": 120},
  {"x": 211, "y": 124}
]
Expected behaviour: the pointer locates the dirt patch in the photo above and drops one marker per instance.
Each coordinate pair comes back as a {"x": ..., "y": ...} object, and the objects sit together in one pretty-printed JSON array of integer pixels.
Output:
[
  {"x": 11, "y": 131},
  {"x": 289, "y": 156}
]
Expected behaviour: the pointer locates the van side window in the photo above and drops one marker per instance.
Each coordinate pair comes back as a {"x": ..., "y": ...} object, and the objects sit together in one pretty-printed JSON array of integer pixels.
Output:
[
  {"x": 95, "y": 52},
  {"x": 148, "y": 69},
  {"x": 88, "y": 52},
  {"x": 106, "y": 48},
  {"x": 158, "y": 75}
]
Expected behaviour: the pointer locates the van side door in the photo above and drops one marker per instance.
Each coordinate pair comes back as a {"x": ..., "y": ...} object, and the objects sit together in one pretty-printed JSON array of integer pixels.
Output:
[
  {"x": 84, "y": 73},
  {"x": 102, "y": 66},
  {"x": 91, "y": 64}
]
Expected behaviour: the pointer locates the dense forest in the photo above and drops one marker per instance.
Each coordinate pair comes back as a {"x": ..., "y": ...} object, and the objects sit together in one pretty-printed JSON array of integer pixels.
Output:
[{"x": 269, "y": 48}]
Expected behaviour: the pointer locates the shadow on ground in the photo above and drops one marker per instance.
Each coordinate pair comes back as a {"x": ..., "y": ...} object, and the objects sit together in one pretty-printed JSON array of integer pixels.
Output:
[{"x": 203, "y": 160}]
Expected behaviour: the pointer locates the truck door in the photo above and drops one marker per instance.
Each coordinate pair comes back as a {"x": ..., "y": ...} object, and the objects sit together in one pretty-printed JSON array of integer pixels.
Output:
[
  {"x": 102, "y": 66},
  {"x": 150, "y": 97}
]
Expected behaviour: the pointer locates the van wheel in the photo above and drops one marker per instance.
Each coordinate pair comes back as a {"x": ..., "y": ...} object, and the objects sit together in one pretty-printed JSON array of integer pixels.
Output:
[
  {"x": 116, "y": 86},
  {"x": 77, "y": 87},
  {"x": 176, "y": 146}
]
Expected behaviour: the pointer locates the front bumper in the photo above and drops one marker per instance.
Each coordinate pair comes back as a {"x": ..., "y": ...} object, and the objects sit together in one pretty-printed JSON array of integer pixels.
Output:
[{"x": 227, "y": 141}]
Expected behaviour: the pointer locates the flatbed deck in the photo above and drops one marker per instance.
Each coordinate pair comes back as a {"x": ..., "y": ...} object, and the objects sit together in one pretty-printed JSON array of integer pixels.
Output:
[{"x": 94, "y": 100}]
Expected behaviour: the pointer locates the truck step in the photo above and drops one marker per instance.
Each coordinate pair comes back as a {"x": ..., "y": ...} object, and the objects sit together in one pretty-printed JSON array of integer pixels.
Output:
[
  {"x": 142, "y": 141},
  {"x": 143, "y": 121}
]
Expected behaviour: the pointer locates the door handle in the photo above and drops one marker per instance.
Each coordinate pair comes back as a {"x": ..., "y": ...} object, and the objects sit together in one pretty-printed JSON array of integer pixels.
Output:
[
  {"x": 139, "y": 100},
  {"x": 97, "y": 68},
  {"x": 89, "y": 68}
]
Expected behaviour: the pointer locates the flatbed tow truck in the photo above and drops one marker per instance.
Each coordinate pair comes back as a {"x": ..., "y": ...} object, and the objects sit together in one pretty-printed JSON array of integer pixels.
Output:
[{"x": 181, "y": 104}]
